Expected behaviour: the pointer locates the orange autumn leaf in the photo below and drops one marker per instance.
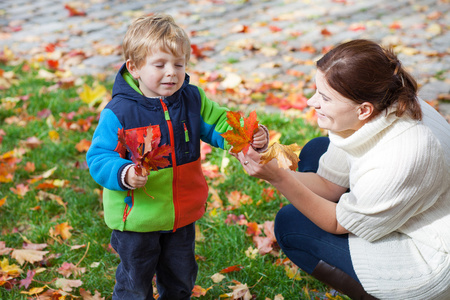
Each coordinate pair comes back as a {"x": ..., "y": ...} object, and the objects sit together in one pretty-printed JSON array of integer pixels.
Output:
[
  {"x": 253, "y": 229},
  {"x": 83, "y": 145},
  {"x": 20, "y": 190},
  {"x": 2, "y": 201},
  {"x": 198, "y": 291},
  {"x": 240, "y": 137},
  {"x": 62, "y": 230},
  {"x": 286, "y": 156}
]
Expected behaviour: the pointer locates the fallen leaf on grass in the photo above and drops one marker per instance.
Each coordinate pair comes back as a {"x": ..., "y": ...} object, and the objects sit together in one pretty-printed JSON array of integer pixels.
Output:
[
  {"x": 62, "y": 230},
  {"x": 234, "y": 268},
  {"x": 216, "y": 278},
  {"x": 87, "y": 295},
  {"x": 28, "y": 255},
  {"x": 68, "y": 269},
  {"x": 66, "y": 284}
]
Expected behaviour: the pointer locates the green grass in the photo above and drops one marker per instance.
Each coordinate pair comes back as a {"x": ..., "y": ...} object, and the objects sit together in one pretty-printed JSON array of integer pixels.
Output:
[{"x": 30, "y": 218}]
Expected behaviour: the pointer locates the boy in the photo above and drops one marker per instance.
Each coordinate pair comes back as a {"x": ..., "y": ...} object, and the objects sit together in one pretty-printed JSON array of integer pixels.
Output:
[{"x": 156, "y": 235}]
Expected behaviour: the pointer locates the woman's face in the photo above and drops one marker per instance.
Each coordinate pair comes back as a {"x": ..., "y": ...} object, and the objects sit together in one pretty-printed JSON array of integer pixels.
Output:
[{"x": 334, "y": 112}]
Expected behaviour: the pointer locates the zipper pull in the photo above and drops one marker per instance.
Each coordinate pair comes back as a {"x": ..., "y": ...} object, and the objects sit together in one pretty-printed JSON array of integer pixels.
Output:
[
  {"x": 186, "y": 133},
  {"x": 166, "y": 112}
]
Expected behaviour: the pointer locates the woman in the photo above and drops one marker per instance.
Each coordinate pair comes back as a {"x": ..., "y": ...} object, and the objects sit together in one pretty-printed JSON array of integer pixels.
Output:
[{"x": 374, "y": 220}]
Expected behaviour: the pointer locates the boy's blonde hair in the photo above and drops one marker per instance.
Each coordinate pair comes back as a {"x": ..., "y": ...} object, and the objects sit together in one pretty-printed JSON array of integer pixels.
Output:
[{"x": 156, "y": 32}]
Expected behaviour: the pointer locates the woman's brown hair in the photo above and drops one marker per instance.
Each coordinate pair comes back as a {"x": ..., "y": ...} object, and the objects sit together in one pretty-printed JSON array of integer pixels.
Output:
[{"x": 363, "y": 71}]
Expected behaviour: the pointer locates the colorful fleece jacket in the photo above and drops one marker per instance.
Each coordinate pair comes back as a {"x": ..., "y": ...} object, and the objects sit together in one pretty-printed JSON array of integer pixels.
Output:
[{"x": 179, "y": 191}]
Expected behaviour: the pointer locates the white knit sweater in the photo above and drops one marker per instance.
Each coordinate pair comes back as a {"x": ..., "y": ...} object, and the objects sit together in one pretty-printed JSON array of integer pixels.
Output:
[{"x": 398, "y": 207}]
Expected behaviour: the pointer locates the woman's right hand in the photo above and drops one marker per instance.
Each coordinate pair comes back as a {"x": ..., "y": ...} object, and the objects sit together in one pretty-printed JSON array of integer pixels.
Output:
[{"x": 251, "y": 164}]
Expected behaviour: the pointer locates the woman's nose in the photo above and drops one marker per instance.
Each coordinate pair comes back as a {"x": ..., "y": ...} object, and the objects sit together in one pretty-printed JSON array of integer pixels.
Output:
[{"x": 313, "y": 101}]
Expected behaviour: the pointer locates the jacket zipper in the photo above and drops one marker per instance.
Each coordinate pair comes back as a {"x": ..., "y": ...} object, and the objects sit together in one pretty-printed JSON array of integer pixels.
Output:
[{"x": 174, "y": 164}]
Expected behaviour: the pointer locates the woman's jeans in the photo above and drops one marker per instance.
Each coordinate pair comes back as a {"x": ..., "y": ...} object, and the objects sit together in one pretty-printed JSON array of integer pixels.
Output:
[
  {"x": 300, "y": 239},
  {"x": 171, "y": 255}
]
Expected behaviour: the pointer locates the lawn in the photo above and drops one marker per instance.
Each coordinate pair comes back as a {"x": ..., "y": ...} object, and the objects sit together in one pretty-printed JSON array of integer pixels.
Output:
[{"x": 54, "y": 242}]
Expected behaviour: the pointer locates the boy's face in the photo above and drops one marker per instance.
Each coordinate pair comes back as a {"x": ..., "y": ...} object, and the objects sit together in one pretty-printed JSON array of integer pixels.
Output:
[{"x": 161, "y": 75}]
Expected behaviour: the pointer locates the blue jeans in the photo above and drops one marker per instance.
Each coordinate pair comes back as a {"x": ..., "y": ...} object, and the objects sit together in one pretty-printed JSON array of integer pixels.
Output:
[
  {"x": 169, "y": 255},
  {"x": 300, "y": 239}
]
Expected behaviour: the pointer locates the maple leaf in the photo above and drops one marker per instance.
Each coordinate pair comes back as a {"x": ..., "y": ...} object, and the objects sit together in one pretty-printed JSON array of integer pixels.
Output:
[
  {"x": 92, "y": 96},
  {"x": 27, "y": 281},
  {"x": 253, "y": 229},
  {"x": 285, "y": 155},
  {"x": 198, "y": 291},
  {"x": 2, "y": 201},
  {"x": 68, "y": 269},
  {"x": 144, "y": 149},
  {"x": 240, "y": 137},
  {"x": 62, "y": 230},
  {"x": 83, "y": 145},
  {"x": 241, "y": 291},
  {"x": 10, "y": 270},
  {"x": 28, "y": 255},
  {"x": 66, "y": 285},
  {"x": 20, "y": 190},
  {"x": 87, "y": 295}
]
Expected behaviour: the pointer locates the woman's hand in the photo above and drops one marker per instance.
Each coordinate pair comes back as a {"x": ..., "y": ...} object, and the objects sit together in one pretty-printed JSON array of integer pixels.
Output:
[
  {"x": 135, "y": 180},
  {"x": 250, "y": 162}
]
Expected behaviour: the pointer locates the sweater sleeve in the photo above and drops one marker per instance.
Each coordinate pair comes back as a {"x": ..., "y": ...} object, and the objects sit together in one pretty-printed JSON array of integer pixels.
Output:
[
  {"x": 333, "y": 166},
  {"x": 396, "y": 182},
  {"x": 104, "y": 162},
  {"x": 214, "y": 122}
]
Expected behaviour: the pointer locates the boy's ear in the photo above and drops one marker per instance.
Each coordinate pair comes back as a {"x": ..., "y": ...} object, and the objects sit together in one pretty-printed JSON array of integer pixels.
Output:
[
  {"x": 131, "y": 67},
  {"x": 365, "y": 111}
]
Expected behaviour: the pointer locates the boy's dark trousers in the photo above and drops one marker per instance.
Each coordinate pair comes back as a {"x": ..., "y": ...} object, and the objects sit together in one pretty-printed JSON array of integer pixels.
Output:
[{"x": 169, "y": 255}]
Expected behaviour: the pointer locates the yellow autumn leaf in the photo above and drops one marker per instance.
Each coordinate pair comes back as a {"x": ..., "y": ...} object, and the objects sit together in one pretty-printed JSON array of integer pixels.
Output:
[
  {"x": 10, "y": 270},
  {"x": 92, "y": 96},
  {"x": 286, "y": 155},
  {"x": 28, "y": 255},
  {"x": 62, "y": 230},
  {"x": 34, "y": 291}
]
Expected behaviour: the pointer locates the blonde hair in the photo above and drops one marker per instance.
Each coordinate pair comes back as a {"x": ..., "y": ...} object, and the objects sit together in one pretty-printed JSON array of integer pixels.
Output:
[{"x": 153, "y": 33}]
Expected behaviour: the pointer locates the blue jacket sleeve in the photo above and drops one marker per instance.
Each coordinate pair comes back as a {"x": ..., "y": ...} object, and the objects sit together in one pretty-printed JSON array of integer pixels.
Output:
[{"x": 104, "y": 162}]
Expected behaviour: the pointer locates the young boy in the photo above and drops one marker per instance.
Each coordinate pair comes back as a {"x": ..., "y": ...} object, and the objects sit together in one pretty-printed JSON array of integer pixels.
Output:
[{"x": 156, "y": 234}]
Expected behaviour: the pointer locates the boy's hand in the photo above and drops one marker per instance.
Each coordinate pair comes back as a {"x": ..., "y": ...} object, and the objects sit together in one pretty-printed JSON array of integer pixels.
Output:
[
  {"x": 134, "y": 180},
  {"x": 261, "y": 139}
]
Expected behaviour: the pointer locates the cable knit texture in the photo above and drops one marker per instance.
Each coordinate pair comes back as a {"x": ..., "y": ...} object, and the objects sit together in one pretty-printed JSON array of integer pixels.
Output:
[{"x": 398, "y": 207}]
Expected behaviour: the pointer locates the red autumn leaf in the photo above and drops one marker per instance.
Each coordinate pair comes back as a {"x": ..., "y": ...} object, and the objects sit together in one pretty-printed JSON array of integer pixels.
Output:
[
  {"x": 325, "y": 32},
  {"x": 73, "y": 11},
  {"x": 240, "y": 137},
  {"x": 144, "y": 149},
  {"x": 234, "y": 268},
  {"x": 53, "y": 64}
]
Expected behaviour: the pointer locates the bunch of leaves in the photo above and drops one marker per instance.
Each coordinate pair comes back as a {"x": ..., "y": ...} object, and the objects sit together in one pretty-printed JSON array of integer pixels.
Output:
[{"x": 144, "y": 148}]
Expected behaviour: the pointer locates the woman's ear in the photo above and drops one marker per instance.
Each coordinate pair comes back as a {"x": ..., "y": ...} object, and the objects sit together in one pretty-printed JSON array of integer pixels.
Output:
[
  {"x": 365, "y": 111},
  {"x": 131, "y": 67}
]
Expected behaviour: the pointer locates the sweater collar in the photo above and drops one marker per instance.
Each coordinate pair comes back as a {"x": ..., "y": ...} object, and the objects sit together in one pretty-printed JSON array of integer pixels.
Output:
[{"x": 368, "y": 135}]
